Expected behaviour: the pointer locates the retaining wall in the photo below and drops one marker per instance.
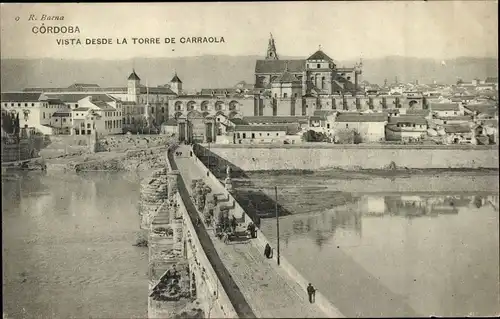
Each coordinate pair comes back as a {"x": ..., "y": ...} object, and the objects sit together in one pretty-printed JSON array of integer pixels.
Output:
[
  {"x": 261, "y": 242},
  {"x": 317, "y": 157}
]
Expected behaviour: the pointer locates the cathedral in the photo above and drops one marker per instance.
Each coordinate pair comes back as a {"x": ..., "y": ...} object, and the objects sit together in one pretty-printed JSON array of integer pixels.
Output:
[{"x": 316, "y": 75}]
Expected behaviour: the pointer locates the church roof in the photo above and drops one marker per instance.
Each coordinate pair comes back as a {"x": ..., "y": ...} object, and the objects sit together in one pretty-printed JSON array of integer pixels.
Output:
[
  {"x": 279, "y": 66},
  {"x": 134, "y": 76},
  {"x": 175, "y": 79},
  {"x": 319, "y": 55},
  {"x": 287, "y": 77}
]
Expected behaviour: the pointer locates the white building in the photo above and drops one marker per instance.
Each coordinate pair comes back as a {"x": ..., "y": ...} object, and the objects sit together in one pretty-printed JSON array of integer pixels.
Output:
[
  {"x": 35, "y": 110},
  {"x": 370, "y": 127},
  {"x": 94, "y": 114}
]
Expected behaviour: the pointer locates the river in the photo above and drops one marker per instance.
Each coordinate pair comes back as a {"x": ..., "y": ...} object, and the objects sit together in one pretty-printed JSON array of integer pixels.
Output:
[
  {"x": 67, "y": 246},
  {"x": 382, "y": 247}
]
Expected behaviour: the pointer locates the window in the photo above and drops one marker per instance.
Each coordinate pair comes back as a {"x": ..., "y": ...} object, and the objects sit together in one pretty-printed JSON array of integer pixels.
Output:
[
  {"x": 277, "y": 134},
  {"x": 56, "y": 120},
  {"x": 244, "y": 135},
  {"x": 25, "y": 104},
  {"x": 318, "y": 66},
  {"x": 267, "y": 134},
  {"x": 275, "y": 95},
  {"x": 77, "y": 132},
  {"x": 295, "y": 95},
  {"x": 11, "y": 104},
  {"x": 347, "y": 126},
  {"x": 88, "y": 125},
  {"x": 43, "y": 114},
  {"x": 285, "y": 95},
  {"x": 238, "y": 135},
  {"x": 18, "y": 104},
  {"x": 89, "y": 132},
  {"x": 328, "y": 125},
  {"x": 260, "y": 134},
  {"x": 253, "y": 135}
]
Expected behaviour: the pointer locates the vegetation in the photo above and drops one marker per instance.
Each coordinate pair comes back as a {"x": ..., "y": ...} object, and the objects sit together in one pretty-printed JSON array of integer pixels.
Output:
[
  {"x": 348, "y": 136},
  {"x": 10, "y": 123},
  {"x": 312, "y": 136}
]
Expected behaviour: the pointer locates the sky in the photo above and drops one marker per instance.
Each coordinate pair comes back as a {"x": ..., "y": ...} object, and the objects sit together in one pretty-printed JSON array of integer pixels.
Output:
[{"x": 345, "y": 30}]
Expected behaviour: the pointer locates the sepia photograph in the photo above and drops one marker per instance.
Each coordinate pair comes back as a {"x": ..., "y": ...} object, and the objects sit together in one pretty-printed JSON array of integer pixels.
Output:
[{"x": 280, "y": 159}]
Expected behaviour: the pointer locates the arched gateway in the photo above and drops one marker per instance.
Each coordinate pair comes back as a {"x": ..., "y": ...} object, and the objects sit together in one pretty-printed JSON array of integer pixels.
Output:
[{"x": 196, "y": 127}]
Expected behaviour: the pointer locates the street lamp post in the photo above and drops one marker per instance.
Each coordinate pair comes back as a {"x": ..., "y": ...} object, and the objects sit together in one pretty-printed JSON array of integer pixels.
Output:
[
  {"x": 277, "y": 223},
  {"x": 208, "y": 155}
]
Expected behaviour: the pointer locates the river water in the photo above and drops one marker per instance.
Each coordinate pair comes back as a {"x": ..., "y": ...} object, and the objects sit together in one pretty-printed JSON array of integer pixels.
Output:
[
  {"x": 417, "y": 246},
  {"x": 67, "y": 246}
]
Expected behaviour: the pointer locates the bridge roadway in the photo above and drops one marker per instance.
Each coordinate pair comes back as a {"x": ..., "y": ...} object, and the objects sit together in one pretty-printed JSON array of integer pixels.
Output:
[{"x": 267, "y": 289}]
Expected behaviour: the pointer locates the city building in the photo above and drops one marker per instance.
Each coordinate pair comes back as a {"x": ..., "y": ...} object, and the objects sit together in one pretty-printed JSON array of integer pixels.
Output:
[
  {"x": 370, "y": 127},
  {"x": 35, "y": 111},
  {"x": 102, "y": 116},
  {"x": 406, "y": 128}
]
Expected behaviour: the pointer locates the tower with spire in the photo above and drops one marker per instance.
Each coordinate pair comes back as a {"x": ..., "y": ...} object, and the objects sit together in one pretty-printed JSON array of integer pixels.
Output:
[
  {"x": 133, "y": 87},
  {"x": 176, "y": 84},
  {"x": 271, "y": 50}
]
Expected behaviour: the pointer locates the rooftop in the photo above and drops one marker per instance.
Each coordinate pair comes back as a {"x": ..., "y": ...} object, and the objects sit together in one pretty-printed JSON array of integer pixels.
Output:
[
  {"x": 238, "y": 121},
  {"x": 361, "y": 118},
  {"x": 260, "y": 128},
  {"x": 445, "y": 107},
  {"x": 74, "y": 98},
  {"x": 287, "y": 77},
  {"x": 275, "y": 119},
  {"x": 134, "y": 76},
  {"x": 451, "y": 129},
  {"x": 411, "y": 119},
  {"x": 175, "y": 79},
  {"x": 20, "y": 97},
  {"x": 61, "y": 114},
  {"x": 279, "y": 66},
  {"x": 320, "y": 55}
]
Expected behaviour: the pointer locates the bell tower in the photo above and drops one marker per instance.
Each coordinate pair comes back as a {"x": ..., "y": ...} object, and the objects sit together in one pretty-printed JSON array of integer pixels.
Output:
[{"x": 271, "y": 50}]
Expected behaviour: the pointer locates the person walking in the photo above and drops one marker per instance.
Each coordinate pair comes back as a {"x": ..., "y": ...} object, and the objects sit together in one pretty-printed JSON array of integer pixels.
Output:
[
  {"x": 268, "y": 252},
  {"x": 311, "y": 292}
]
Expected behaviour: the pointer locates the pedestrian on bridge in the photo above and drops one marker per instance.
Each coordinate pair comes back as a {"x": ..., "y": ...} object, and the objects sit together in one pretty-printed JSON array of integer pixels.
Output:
[{"x": 311, "y": 291}]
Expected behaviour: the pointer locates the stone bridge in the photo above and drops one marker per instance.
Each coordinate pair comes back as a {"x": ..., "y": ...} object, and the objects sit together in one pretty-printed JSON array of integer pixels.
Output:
[{"x": 195, "y": 274}]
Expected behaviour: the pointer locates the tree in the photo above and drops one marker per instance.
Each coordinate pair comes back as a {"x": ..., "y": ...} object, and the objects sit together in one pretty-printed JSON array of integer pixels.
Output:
[
  {"x": 312, "y": 136},
  {"x": 16, "y": 124},
  {"x": 348, "y": 136}
]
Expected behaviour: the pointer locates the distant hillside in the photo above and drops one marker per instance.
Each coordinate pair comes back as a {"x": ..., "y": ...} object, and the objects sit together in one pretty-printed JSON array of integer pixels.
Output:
[{"x": 221, "y": 71}]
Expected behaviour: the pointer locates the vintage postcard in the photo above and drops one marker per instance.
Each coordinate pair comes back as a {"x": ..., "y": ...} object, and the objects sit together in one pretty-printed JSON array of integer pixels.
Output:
[{"x": 250, "y": 159}]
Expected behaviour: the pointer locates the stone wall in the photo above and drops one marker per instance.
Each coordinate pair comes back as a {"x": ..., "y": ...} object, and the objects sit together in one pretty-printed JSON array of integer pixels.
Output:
[
  {"x": 152, "y": 197},
  {"x": 173, "y": 244},
  {"x": 316, "y": 157},
  {"x": 26, "y": 149}
]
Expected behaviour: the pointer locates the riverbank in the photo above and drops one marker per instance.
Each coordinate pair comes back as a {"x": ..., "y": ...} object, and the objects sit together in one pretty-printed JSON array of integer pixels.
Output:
[
  {"x": 303, "y": 192},
  {"x": 115, "y": 153}
]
